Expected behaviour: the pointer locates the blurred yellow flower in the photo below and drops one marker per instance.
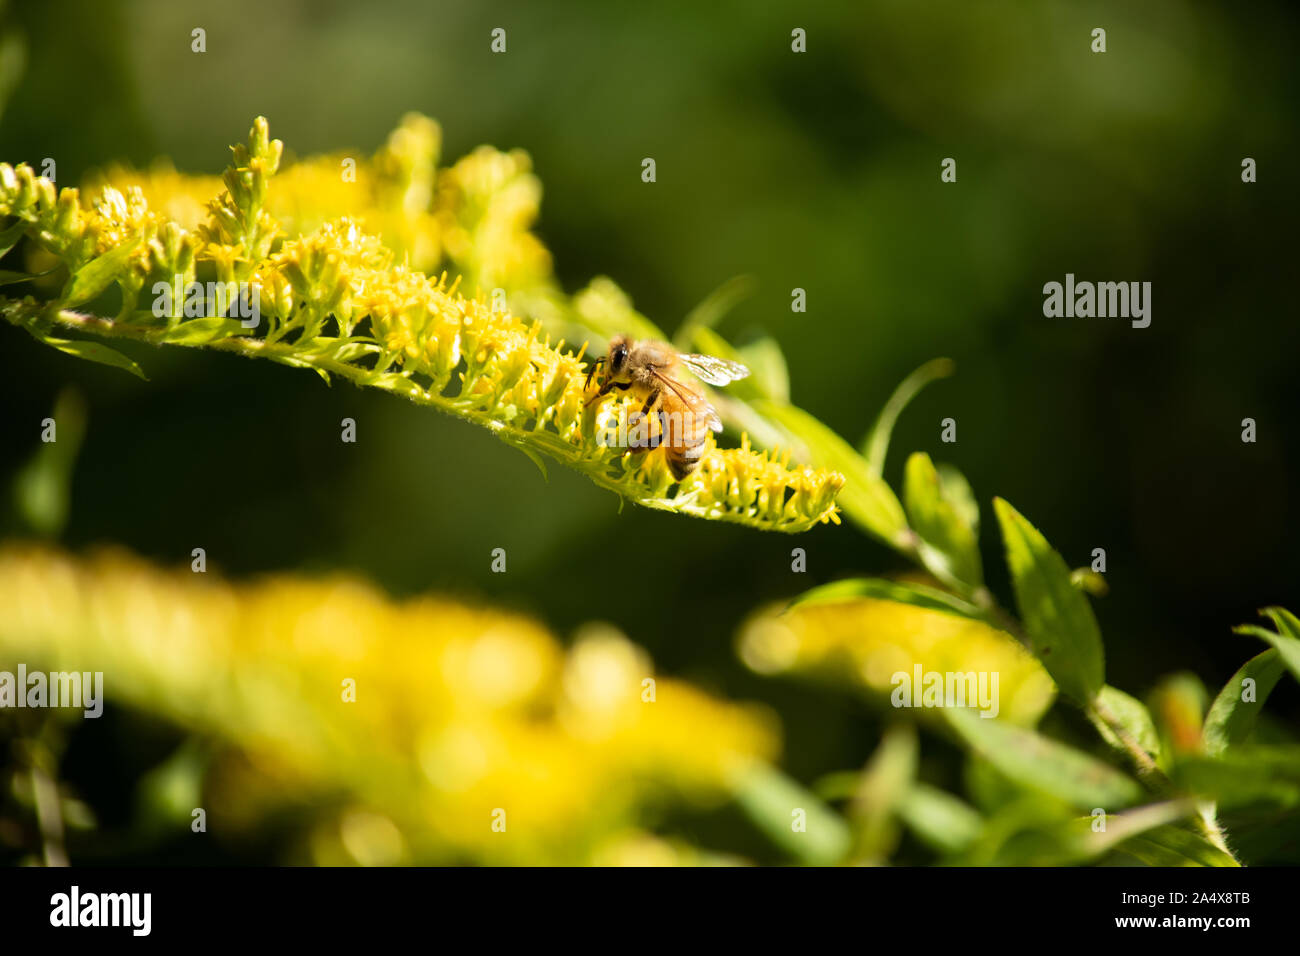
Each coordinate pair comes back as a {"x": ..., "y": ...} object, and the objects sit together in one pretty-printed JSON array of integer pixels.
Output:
[
  {"x": 429, "y": 720},
  {"x": 867, "y": 642}
]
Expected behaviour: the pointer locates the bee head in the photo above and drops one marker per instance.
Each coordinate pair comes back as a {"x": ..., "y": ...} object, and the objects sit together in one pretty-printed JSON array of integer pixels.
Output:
[{"x": 618, "y": 352}]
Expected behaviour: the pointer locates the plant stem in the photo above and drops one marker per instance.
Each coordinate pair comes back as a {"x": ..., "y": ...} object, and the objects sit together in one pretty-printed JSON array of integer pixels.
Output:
[
  {"x": 1100, "y": 715},
  {"x": 45, "y": 795}
]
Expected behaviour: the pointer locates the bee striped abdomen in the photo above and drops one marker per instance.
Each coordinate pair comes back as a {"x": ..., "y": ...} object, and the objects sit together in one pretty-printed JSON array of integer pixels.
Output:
[{"x": 686, "y": 433}]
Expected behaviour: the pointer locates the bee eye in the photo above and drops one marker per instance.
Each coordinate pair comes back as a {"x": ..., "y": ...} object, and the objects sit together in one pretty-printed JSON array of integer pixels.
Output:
[{"x": 619, "y": 356}]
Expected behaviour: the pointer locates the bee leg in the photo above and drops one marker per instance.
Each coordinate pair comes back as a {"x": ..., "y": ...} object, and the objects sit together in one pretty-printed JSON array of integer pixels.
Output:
[
  {"x": 604, "y": 390},
  {"x": 653, "y": 440},
  {"x": 592, "y": 371}
]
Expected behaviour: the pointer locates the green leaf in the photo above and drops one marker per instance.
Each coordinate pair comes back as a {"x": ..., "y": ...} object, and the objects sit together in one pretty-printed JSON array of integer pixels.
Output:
[
  {"x": 866, "y": 498},
  {"x": 1287, "y": 639},
  {"x": 1081, "y": 839},
  {"x": 9, "y": 237},
  {"x": 1263, "y": 835},
  {"x": 958, "y": 493},
  {"x": 768, "y": 370},
  {"x": 840, "y": 785},
  {"x": 42, "y": 486},
  {"x": 944, "y": 822},
  {"x": 98, "y": 274},
  {"x": 1059, "y": 621},
  {"x": 204, "y": 331},
  {"x": 884, "y": 783},
  {"x": 770, "y": 799},
  {"x": 8, "y": 277},
  {"x": 948, "y": 546},
  {"x": 532, "y": 456},
  {"x": 1244, "y": 775},
  {"x": 876, "y": 443},
  {"x": 1285, "y": 622},
  {"x": 90, "y": 351},
  {"x": 1131, "y": 715},
  {"x": 166, "y": 794},
  {"x": 1170, "y": 845},
  {"x": 708, "y": 313},
  {"x": 1043, "y": 764},
  {"x": 396, "y": 382},
  {"x": 917, "y": 595},
  {"x": 1178, "y": 703},
  {"x": 1231, "y": 719}
]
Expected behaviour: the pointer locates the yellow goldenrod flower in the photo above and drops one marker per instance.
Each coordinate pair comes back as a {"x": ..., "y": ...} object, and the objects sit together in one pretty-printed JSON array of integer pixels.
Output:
[
  {"x": 455, "y": 713},
  {"x": 487, "y": 202},
  {"x": 336, "y": 296},
  {"x": 868, "y": 642}
]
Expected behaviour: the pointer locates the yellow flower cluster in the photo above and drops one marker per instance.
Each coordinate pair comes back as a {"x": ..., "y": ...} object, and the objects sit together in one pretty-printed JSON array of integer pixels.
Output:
[
  {"x": 343, "y": 299},
  {"x": 389, "y": 194},
  {"x": 429, "y": 720},
  {"x": 866, "y": 642}
]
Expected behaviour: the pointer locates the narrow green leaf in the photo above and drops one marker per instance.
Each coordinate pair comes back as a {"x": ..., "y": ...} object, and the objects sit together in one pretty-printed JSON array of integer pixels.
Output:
[
  {"x": 10, "y": 236},
  {"x": 1263, "y": 834},
  {"x": 917, "y": 595},
  {"x": 944, "y": 822},
  {"x": 98, "y": 274},
  {"x": 866, "y": 498},
  {"x": 1232, "y": 719},
  {"x": 395, "y": 382},
  {"x": 532, "y": 456},
  {"x": 949, "y": 549},
  {"x": 90, "y": 351},
  {"x": 768, "y": 369},
  {"x": 1170, "y": 845},
  {"x": 710, "y": 311},
  {"x": 1285, "y": 622},
  {"x": 777, "y": 805},
  {"x": 1132, "y": 716},
  {"x": 9, "y": 277},
  {"x": 1081, "y": 839},
  {"x": 840, "y": 785},
  {"x": 42, "y": 486},
  {"x": 1059, "y": 621},
  {"x": 958, "y": 493},
  {"x": 1287, "y": 647},
  {"x": 204, "y": 331},
  {"x": 877, "y": 441},
  {"x": 1244, "y": 775},
  {"x": 884, "y": 783},
  {"x": 1043, "y": 764},
  {"x": 294, "y": 362}
]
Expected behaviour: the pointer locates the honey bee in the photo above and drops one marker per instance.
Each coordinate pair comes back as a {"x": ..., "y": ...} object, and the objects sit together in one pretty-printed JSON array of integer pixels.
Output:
[{"x": 653, "y": 371}]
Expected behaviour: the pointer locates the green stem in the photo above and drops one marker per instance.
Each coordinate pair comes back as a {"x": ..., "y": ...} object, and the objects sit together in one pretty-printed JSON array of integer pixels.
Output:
[{"x": 1147, "y": 769}]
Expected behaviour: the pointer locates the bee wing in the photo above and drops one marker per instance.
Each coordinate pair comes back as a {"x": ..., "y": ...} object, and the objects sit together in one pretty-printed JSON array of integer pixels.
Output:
[
  {"x": 713, "y": 370},
  {"x": 693, "y": 398},
  {"x": 714, "y": 421},
  {"x": 711, "y": 418}
]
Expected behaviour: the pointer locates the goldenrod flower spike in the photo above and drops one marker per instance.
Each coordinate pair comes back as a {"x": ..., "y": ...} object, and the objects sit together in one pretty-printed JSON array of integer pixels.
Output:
[
  {"x": 334, "y": 299},
  {"x": 419, "y": 716}
]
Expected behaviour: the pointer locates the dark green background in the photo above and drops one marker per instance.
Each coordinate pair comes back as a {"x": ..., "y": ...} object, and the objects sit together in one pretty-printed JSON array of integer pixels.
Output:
[{"x": 819, "y": 171}]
